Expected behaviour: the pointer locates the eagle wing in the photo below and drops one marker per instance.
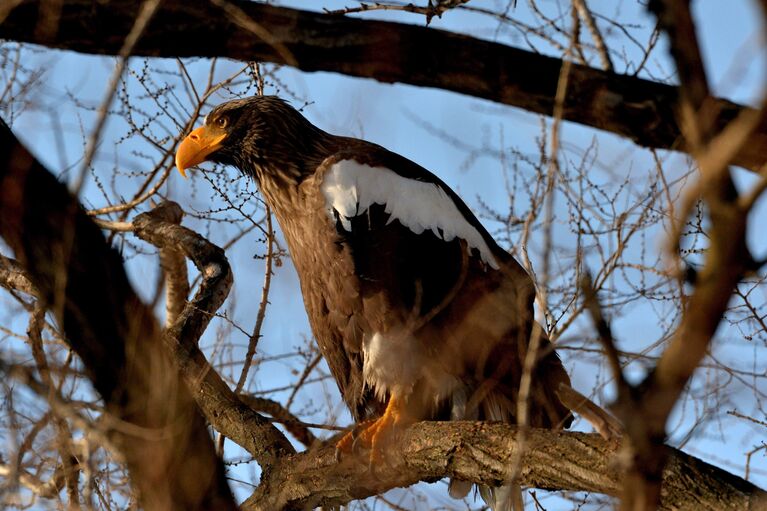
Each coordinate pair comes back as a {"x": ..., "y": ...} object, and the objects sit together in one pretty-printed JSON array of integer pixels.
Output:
[
  {"x": 406, "y": 229},
  {"x": 421, "y": 260}
]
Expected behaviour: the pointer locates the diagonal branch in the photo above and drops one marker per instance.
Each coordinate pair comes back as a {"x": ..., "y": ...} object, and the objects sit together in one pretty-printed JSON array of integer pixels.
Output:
[
  {"x": 14, "y": 278},
  {"x": 646, "y": 409},
  {"x": 637, "y": 109}
]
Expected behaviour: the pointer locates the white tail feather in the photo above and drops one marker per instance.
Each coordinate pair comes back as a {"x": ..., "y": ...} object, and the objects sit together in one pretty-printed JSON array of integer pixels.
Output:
[{"x": 494, "y": 407}]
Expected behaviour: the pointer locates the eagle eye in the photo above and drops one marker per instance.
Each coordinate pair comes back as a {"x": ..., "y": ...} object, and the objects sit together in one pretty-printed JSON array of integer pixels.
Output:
[{"x": 221, "y": 122}]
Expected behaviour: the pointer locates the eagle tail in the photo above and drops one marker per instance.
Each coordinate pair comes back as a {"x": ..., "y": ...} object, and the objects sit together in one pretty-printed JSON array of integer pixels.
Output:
[
  {"x": 497, "y": 407},
  {"x": 494, "y": 407},
  {"x": 458, "y": 488},
  {"x": 499, "y": 404},
  {"x": 503, "y": 498}
]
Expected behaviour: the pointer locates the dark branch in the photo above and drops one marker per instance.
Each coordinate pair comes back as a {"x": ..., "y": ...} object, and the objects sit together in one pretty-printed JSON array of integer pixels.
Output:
[
  {"x": 82, "y": 281},
  {"x": 226, "y": 413},
  {"x": 637, "y": 109}
]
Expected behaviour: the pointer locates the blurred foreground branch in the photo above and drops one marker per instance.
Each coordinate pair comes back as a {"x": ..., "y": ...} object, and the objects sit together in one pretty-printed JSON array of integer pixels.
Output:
[{"x": 81, "y": 280}]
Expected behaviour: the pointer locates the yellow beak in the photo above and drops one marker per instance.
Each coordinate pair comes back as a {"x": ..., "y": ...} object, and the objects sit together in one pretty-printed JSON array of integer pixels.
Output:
[{"x": 196, "y": 147}]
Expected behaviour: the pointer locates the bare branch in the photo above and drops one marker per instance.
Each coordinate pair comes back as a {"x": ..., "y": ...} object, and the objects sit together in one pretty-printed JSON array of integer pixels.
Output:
[
  {"x": 13, "y": 277},
  {"x": 599, "y": 42},
  {"x": 640, "y": 110},
  {"x": 261, "y": 314},
  {"x": 82, "y": 281},
  {"x": 279, "y": 413},
  {"x": 591, "y": 302},
  {"x": 173, "y": 264}
]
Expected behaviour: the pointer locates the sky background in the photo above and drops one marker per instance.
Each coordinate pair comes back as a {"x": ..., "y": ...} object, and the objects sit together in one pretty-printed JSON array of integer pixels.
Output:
[{"x": 455, "y": 136}]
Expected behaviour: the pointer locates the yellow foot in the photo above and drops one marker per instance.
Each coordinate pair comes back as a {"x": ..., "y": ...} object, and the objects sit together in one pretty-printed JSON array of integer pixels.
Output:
[
  {"x": 349, "y": 441},
  {"x": 373, "y": 434}
]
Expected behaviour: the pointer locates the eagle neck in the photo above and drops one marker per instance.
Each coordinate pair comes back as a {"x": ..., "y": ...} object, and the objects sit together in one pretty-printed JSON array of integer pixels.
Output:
[{"x": 280, "y": 174}]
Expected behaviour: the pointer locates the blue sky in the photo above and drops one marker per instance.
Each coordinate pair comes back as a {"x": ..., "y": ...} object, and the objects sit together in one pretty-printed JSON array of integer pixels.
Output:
[{"x": 396, "y": 117}]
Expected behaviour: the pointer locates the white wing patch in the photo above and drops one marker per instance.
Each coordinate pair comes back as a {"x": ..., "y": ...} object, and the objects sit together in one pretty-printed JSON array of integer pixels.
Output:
[{"x": 350, "y": 188}]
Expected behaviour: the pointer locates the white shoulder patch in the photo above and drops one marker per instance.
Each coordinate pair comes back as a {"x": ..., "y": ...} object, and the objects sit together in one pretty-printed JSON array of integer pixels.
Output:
[{"x": 350, "y": 188}]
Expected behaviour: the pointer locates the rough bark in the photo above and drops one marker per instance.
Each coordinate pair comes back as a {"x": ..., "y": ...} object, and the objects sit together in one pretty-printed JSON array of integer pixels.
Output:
[
  {"x": 173, "y": 264},
  {"x": 81, "y": 279},
  {"x": 637, "y": 109},
  {"x": 482, "y": 452}
]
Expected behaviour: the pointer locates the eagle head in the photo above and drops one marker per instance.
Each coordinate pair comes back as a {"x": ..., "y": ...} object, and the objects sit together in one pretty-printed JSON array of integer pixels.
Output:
[{"x": 263, "y": 136}]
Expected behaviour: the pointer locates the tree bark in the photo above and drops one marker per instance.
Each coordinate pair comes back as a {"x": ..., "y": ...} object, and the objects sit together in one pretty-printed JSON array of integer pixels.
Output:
[
  {"x": 223, "y": 409},
  {"x": 637, "y": 109},
  {"x": 482, "y": 452}
]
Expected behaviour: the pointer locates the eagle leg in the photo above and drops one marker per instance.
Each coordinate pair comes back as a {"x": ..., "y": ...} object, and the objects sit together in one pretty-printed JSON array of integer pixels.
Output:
[{"x": 373, "y": 434}]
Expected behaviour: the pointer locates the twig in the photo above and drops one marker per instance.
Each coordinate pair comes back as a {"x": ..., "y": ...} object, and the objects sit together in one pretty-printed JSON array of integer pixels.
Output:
[
  {"x": 585, "y": 13},
  {"x": 605, "y": 335},
  {"x": 256, "y": 335},
  {"x": 148, "y": 9}
]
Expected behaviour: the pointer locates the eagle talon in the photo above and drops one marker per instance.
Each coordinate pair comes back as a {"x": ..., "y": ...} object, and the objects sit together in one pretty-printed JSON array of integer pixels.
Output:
[
  {"x": 358, "y": 444},
  {"x": 376, "y": 434},
  {"x": 349, "y": 442},
  {"x": 372, "y": 467},
  {"x": 373, "y": 434}
]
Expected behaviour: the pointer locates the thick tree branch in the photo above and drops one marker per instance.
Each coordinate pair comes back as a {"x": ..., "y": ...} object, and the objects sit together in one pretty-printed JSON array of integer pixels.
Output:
[
  {"x": 637, "y": 109},
  {"x": 82, "y": 281},
  {"x": 482, "y": 452}
]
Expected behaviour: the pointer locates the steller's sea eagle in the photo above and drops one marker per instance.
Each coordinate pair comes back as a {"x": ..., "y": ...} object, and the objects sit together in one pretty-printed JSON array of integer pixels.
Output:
[{"x": 418, "y": 312}]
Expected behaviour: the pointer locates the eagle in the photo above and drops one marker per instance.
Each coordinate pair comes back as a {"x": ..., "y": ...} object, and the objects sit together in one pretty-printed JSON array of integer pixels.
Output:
[{"x": 418, "y": 312}]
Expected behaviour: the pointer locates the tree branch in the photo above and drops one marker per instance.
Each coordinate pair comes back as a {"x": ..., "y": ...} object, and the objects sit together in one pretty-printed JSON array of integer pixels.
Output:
[
  {"x": 13, "y": 277},
  {"x": 646, "y": 409},
  {"x": 173, "y": 264},
  {"x": 218, "y": 402},
  {"x": 81, "y": 279},
  {"x": 482, "y": 453},
  {"x": 637, "y": 109}
]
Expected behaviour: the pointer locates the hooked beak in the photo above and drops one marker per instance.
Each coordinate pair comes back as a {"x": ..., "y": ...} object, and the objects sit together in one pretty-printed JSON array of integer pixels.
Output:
[{"x": 196, "y": 147}]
